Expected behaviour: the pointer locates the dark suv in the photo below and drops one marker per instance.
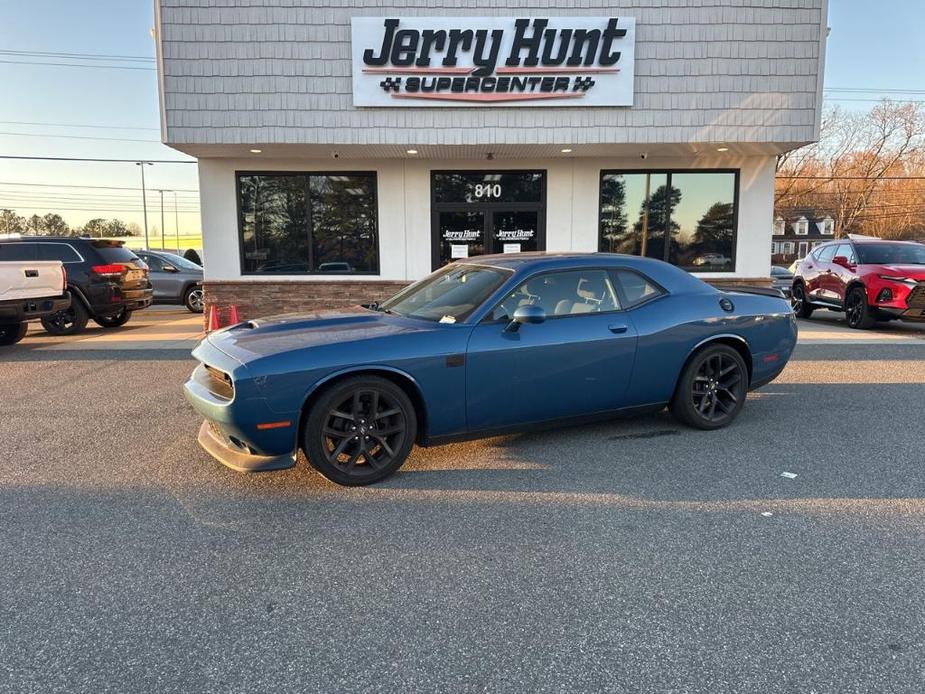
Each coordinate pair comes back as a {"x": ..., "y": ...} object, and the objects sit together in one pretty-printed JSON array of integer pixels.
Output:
[{"x": 107, "y": 282}]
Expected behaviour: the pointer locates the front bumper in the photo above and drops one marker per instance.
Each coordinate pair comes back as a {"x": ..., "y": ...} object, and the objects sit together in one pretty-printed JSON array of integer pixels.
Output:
[
  {"x": 220, "y": 447},
  {"x": 231, "y": 432}
]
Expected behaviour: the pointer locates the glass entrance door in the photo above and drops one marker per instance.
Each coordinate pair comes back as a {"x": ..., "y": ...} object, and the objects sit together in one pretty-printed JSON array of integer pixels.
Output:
[
  {"x": 514, "y": 231},
  {"x": 483, "y": 212},
  {"x": 460, "y": 234}
]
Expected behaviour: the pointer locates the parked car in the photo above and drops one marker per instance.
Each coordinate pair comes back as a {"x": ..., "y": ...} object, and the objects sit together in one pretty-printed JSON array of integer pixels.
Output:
[
  {"x": 481, "y": 347},
  {"x": 107, "y": 282},
  {"x": 175, "y": 279},
  {"x": 781, "y": 279},
  {"x": 867, "y": 279},
  {"x": 29, "y": 290},
  {"x": 711, "y": 259}
]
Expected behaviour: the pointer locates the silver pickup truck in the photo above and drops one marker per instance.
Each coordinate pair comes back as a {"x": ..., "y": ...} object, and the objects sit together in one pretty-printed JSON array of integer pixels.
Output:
[{"x": 29, "y": 290}]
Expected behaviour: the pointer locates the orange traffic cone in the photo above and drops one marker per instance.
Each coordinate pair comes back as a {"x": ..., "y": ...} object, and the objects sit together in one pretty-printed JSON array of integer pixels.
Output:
[
  {"x": 214, "y": 320},
  {"x": 233, "y": 318}
]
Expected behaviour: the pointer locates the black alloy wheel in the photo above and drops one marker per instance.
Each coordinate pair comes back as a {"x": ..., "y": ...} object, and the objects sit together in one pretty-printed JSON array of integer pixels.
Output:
[
  {"x": 115, "y": 321},
  {"x": 859, "y": 314},
  {"x": 801, "y": 307},
  {"x": 360, "y": 431},
  {"x": 712, "y": 388},
  {"x": 11, "y": 333},
  {"x": 70, "y": 321}
]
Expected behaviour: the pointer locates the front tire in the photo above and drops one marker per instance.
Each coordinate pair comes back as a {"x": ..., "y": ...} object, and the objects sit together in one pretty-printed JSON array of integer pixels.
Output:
[
  {"x": 798, "y": 302},
  {"x": 11, "y": 333},
  {"x": 712, "y": 388},
  {"x": 859, "y": 314},
  {"x": 360, "y": 431},
  {"x": 70, "y": 321},
  {"x": 194, "y": 300}
]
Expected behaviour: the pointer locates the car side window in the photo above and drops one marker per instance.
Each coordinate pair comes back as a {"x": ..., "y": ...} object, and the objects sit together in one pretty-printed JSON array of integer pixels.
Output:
[
  {"x": 636, "y": 288},
  {"x": 154, "y": 263},
  {"x": 569, "y": 293},
  {"x": 17, "y": 251},
  {"x": 58, "y": 251},
  {"x": 825, "y": 254}
]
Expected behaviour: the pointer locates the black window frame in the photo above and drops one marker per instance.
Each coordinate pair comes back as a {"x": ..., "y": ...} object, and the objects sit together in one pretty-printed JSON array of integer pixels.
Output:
[
  {"x": 308, "y": 216},
  {"x": 668, "y": 173}
]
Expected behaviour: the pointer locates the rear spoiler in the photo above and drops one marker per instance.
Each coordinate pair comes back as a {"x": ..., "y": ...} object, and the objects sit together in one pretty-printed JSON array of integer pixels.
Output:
[{"x": 749, "y": 289}]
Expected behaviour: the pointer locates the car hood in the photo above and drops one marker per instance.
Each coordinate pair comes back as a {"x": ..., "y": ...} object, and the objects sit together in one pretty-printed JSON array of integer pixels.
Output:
[
  {"x": 288, "y": 332},
  {"x": 915, "y": 272}
]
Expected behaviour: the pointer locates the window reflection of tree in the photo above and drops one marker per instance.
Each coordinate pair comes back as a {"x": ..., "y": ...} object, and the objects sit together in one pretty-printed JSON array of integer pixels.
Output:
[
  {"x": 658, "y": 221},
  {"x": 655, "y": 224},
  {"x": 343, "y": 222},
  {"x": 274, "y": 223},
  {"x": 613, "y": 214}
]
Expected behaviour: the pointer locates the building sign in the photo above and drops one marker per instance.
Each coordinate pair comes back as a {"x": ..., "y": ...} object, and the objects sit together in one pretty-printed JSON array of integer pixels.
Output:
[{"x": 500, "y": 61}]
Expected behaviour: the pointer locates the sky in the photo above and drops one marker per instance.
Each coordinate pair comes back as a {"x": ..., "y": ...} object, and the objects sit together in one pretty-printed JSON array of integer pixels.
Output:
[{"x": 872, "y": 46}]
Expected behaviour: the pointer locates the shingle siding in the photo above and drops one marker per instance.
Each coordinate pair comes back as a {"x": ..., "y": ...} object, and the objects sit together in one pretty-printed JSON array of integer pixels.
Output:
[{"x": 260, "y": 71}]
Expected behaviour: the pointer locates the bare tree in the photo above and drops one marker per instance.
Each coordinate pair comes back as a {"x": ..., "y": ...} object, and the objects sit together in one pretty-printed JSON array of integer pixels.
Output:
[{"x": 848, "y": 173}]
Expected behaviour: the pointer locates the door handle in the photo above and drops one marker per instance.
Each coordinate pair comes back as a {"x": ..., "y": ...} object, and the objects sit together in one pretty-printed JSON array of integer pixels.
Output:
[{"x": 617, "y": 328}]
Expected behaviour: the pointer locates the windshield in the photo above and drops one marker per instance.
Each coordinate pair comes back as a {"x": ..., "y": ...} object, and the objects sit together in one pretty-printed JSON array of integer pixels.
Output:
[
  {"x": 448, "y": 295},
  {"x": 891, "y": 253}
]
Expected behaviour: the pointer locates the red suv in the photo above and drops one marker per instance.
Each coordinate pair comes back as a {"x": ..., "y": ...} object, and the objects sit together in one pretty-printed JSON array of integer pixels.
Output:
[{"x": 868, "y": 279}]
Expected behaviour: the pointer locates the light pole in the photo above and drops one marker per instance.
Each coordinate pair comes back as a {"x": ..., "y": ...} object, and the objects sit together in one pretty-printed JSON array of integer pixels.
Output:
[
  {"x": 163, "y": 229},
  {"x": 144, "y": 194},
  {"x": 176, "y": 221}
]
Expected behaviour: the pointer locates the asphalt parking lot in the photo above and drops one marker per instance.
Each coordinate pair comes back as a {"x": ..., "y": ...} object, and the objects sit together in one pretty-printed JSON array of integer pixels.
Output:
[{"x": 622, "y": 557}]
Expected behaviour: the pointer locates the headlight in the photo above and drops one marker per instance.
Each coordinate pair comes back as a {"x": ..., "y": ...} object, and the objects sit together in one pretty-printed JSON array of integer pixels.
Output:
[{"x": 896, "y": 278}]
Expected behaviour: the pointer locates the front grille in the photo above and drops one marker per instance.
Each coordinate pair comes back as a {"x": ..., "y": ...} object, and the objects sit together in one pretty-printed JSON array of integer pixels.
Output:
[
  {"x": 916, "y": 298},
  {"x": 219, "y": 383}
]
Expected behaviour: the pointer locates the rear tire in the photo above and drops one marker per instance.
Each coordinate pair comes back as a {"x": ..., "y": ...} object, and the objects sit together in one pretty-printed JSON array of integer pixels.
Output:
[
  {"x": 194, "y": 300},
  {"x": 11, "y": 333},
  {"x": 67, "y": 322},
  {"x": 115, "y": 321},
  {"x": 712, "y": 388},
  {"x": 858, "y": 312},
  {"x": 801, "y": 306},
  {"x": 360, "y": 431}
]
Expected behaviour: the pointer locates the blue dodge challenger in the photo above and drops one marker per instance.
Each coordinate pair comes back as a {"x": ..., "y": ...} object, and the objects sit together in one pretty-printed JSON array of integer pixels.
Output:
[{"x": 484, "y": 346}]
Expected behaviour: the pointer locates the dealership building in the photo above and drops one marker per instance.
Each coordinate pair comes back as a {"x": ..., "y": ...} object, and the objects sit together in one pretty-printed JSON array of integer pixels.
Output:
[{"x": 348, "y": 148}]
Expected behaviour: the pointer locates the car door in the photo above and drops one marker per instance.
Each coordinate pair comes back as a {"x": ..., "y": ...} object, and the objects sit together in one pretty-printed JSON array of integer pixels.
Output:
[
  {"x": 578, "y": 361},
  {"x": 840, "y": 276},
  {"x": 816, "y": 270},
  {"x": 161, "y": 281}
]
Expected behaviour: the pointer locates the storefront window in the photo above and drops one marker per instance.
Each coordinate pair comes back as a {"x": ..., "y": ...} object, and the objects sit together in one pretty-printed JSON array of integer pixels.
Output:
[
  {"x": 686, "y": 218},
  {"x": 308, "y": 223}
]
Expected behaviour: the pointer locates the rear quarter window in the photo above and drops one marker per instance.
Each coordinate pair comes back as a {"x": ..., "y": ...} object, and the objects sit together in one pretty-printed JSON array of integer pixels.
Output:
[
  {"x": 636, "y": 289},
  {"x": 58, "y": 251}
]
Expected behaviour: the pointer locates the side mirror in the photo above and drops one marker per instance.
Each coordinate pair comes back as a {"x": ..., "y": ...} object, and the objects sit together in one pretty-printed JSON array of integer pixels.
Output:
[
  {"x": 842, "y": 260},
  {"x": 169, "y": 268},
  {"x": 526, "y": 314}
]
